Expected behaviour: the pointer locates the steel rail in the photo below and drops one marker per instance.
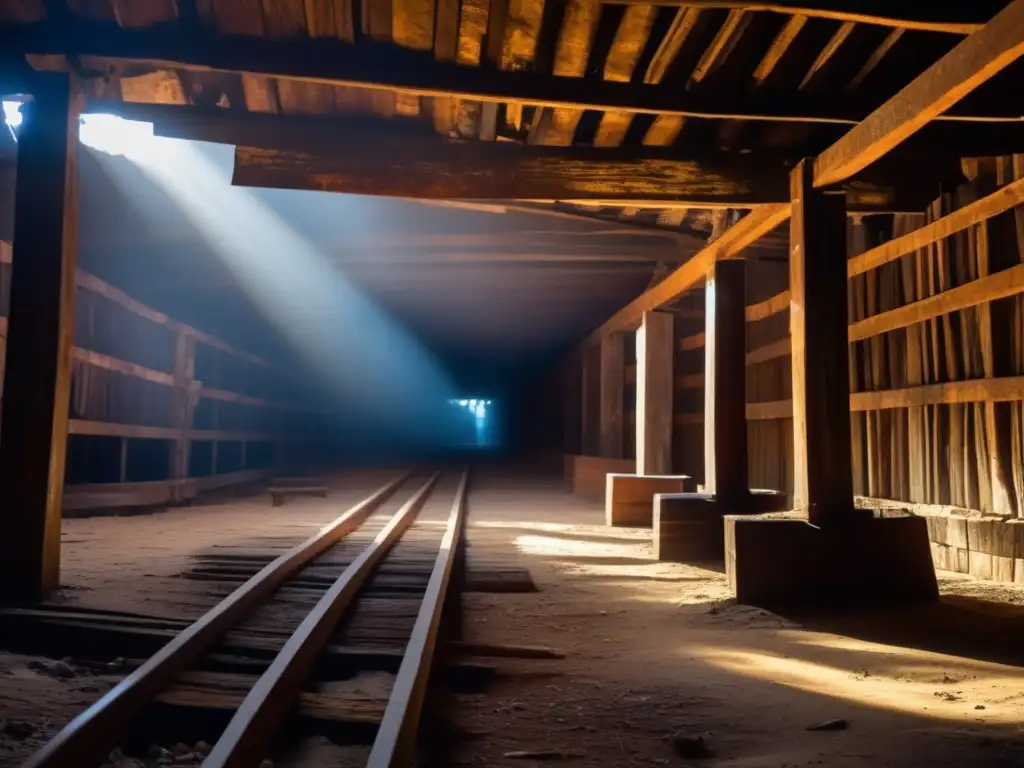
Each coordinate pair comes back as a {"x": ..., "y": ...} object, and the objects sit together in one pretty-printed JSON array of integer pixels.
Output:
[
  {"x": 260, "y": 715},
  {"x": 89, "y": 738},
  {"x": 395, "y": 744}
]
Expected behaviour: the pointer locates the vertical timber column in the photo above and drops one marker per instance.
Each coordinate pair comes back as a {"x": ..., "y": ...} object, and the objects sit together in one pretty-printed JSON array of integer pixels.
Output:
[
  {"x": 613, "y": 375},
  {"x": 33, "y": 436},
  {"x": 185, "y": 398},
  {"x": 823, "y": 477},
  {"x": 725, "y": 370},
  {"x": 655, "y": 355}
]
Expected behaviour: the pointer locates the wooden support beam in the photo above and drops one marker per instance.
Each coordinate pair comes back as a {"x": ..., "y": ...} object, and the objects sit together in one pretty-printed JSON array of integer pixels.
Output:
[
  {"x": 823, "y": 479},
  {"x": 590, "y": 384},
  {"x": 654, "y": 385},
  {"x": 186, "y": 398},
  {"x": 730, "y": 245},
  {"x": 975, "y": 60},
  {"x": 33, "y": 432},
  {"x": 725, "y": 420},
  {"x": 613, "y": 378},
  {"x": 434, "y": 168}
]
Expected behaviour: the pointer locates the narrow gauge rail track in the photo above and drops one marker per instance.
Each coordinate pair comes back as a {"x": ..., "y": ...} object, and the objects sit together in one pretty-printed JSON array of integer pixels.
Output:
[{"x": 89, "y": 738}]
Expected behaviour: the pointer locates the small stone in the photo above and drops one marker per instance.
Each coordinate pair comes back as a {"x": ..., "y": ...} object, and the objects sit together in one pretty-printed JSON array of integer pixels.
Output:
[
  {"x": 839, "y": 724},
  {"x": 980, "y": 706},
  {"x": 19, "y": 730},
  {"x": 58, "y": 669},
  {"x": 690, "y": 747},
  {"x": 203, "y": 748},
  {"x": 180, "y": 749}
]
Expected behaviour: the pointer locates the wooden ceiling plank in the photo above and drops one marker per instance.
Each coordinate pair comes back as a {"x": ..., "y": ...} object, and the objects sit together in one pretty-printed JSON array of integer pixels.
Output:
[
  {"x": 665, "y": 129},
  {"x": 284, "y": 18},
  {"x": 238, "y": 17},
  {"x": 916, "y": 16},
  {"x": 446, "y": 30},
  {"x": 132, "y": 14},
  {"x": 629, "y": 42},
  {"x": 472, "y": 28},
  {"x": 725, "y": 40},
  {"x": 875, "y": 58},
  {"x": 831, "y": 47},
  {"x": 571, "y": 54},
  {"x": 972, "y": 62},
  {"x": 377, "y": 16},
  {"x": 330, "y": 18},
  {"x": 260, "y": 94},
  {"x": 412, "y": 24},
  {"x": 780, "y": 45}
]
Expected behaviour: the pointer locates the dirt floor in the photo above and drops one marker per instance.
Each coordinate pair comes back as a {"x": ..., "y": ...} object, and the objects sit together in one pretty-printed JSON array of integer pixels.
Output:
[{"x": 659, "y": 660}]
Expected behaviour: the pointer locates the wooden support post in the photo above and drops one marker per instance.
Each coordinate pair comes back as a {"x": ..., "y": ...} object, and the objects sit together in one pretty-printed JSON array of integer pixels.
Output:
[
  {"x": 572, "y": 396},
  {"x": 589, "y": 383},
  {"x": 33, "y": 436},
  {"x": 123, "y": 474},
  {"x": 654, "y": 384},
  {"x": 725, "y": 414},
  {"x": 613, "y": 377},
  {"x": 823, "y": 478},
  {"x": 185, "y": 399}
]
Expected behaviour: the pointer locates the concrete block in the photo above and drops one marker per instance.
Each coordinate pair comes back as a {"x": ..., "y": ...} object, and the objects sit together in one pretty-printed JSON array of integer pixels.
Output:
[
  {"x": 980, "y": 565},
  {"x": 1002, "y": 568},
  {"x": 940, "y": 556},
  {"x": 959, "y": 560},
  {"x": 777, "y": 559},
  {"x": 993, "y": 537},
  {"x": 629, "y": 499},
  {"x": 956, "y": 532},
  {"x": 937, "y": 528},
  {"x": 689, "y": 527}
]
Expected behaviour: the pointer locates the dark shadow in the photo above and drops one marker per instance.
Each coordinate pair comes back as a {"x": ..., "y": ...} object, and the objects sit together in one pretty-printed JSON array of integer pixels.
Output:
[{"x": 956, "y": 625}]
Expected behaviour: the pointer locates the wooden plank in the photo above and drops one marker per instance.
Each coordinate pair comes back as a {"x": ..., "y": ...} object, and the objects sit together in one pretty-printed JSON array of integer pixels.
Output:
[
  {"x": 911, "y": 15},
  {"x": 626, "y": 47},
  {"x": 1003, "y": 199},
  {"x": 121, "y": 366},
  {"x": 1009, "y": 282},
  {"x": 37, "y": 382},
  {"x": 186, "y": 398},
  {"x": 770, "y": 410},
  {"x": 112, "y": 429},
  {"x": 721, "y": 45},
  {"x": 875, "y": 59},
  {"x": 731, "y": 244},
  {"x": 654, "y": 394},
  {"x": 768, "y": 308},
  {"x": 725, "y": 382},
  {"x": 690, "y": 343},
  {"x": 666, "y": 128},
  {"x": 613, "y": 353},
  {"x": 571, "y": 54},
  {"x": 395, "y": 743},
  {"x": 780, "y": 45},
  {"x": 827, "y": 54},
  {"x": 771, "y": 351},
  {"x": 975, "y": 60},
  {"x": 227, "y": 396},
  {"x": 823, "y": 480},
  {"x": 1005, "y": 389}
]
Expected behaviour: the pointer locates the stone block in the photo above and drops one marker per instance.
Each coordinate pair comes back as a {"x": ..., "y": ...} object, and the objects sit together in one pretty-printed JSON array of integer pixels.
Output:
[
  {"x": 993, "y": 537},
  {"x": 980, "y": 565},
  {"x": 940, "y": 556},
  {"x": 629, "y": 499},
  {"x": 779, "y": 559},
  {"x": 956, "y": 532},
  {"x": 689, "y": 527},
  {"x": 937, "y": 528},
  {"x": 959, "y": 560},
  {"x": 1002, "y": 568}
]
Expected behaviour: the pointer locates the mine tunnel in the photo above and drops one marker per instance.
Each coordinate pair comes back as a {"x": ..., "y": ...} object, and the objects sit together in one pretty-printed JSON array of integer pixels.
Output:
[{"x": 507, "y": 382}]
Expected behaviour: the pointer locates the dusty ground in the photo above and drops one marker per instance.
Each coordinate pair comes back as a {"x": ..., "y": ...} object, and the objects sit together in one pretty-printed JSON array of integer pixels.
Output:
[
  {"x": 657, "y": 649},
  {"x": 652, "y": 649}
]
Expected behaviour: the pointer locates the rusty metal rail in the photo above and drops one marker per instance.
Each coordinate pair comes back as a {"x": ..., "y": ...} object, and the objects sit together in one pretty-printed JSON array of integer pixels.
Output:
[
  {"x": 89, "y": 738},
  {"x": 395, "y": 745},
  {"x": 245, "y": 741}
]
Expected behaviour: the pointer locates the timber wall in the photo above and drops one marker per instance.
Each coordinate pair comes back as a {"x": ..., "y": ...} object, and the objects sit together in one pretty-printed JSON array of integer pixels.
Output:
[{"x": 160, "y": 411}]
